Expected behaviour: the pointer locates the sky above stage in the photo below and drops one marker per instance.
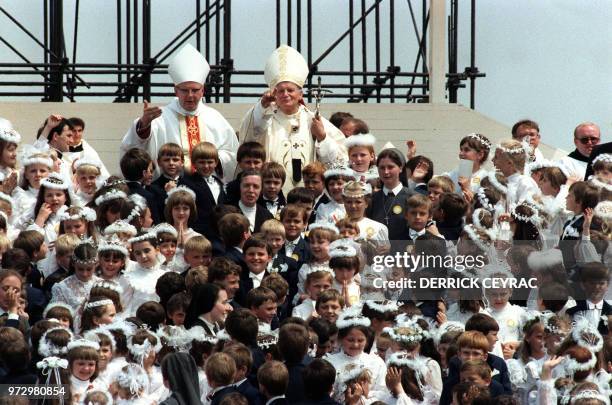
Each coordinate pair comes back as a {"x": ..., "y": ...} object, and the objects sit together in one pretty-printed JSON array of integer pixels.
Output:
[{"x": 548, "y": 60}]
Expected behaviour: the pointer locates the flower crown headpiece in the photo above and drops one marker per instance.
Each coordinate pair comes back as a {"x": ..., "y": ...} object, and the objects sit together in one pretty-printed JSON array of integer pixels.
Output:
[
  {"x": 449, "y": 326},
  {"x": 533, "y": 218},
  {"x": 120, "y": 226},
  {"x": 586, "y": 335},
  {"x": 98, "y": 303},
  {"x": 82, "y": 343},
  {"x": 109, "y": 285},
  {"x": 48, "y": 349},
  {"x": 571, "y": 365},
  {"x": 417, "y": 364},
  {"x": 176, "y": 337},
  {"x": 140, "y": 205},
  {"x": 360, "y": 140},
  {"x": 496, "y": 184},
  {"x": 268, "y": 340},
  {"x": 87, "y": 162},
  {"x": 604, "y": 157},
  {"x": 590, "y": 394},
  {"x": 198, "y": 334},
  {"x": 524, "y": 148},
  {"x": 484, "y": 200},
  {"x": 92, "y": 335},
  {"x": 603, "y": 210},
  {"x": 470, "y": 231},
  {"x": 165, "y": 227},
  {"x": 134, "y": 378},
  {"x": 342, "y": 248},
  {"x": 140, "y": 351},
  {"x": 107, "y": 395},
  {"x": 323, "y": 225},
  {"x": 112, "y": 194},
  {"x": 143, "y": 237},
  {"x": 115, "y": 182},
  {"x": 476, "y": 219},
  {"x": 113, "y": 244},
  {"x": 339, "y": 168},
  {"x": 58, "y": 304},
  {"x": 600, "y": 184},
  {"x": 544, "y": 163},
  {"x": 382, "y": 307},
  {"x": 344, "y": 375},
  {"x": 85, "y": 213},
  {"x": 86, "y": 241},
  {"x": 482, "y": 139},
  {"x": 56, "y": 182},
  {"x": 10, "y": 135},
  {"x": 30, "y": 155},
  {"x": 183, "y": 189},
  {"x": 319, "y": 267},
  {"x": 121, "y": 325},
  {"x": 352, "y": 317}
]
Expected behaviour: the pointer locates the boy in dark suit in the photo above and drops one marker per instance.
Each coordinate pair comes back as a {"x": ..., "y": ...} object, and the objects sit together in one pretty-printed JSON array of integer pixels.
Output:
[
  {"x": 294, "y": 219},
  {"x": 257, "y": 255},
  {"x": 417, "y": 215},
  {"x": 274, "y": 233},
  {"x": 293, "y": 343},
  {"x": 319, "y": 377},
  {"x": 220, "y": 370},
  {"x": 314, "y": 180},
  {"x": 137, "y": 168},
  {"x": 243, "y": 359},
  {"x": 250, "y": 190},
  {"x": 581, "y": 196},
  {"x": 448, "y": 214},
  {"x": 226, "y": 273},
  {"x": 272, "y": 198},
  {"x": 234, "y": 230},
  {"x": 594, "y": 280},
  {"x": 170, "y": 161},
  {"x": 242, "y": 327},
  {"x": 206, "y": 184},
  {"x": 273, "y": 379},
  {"x": 250, "y": 156}
]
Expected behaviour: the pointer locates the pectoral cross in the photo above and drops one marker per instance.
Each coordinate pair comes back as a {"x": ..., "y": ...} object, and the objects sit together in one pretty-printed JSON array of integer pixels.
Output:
[{"x": 318, "y": 93}]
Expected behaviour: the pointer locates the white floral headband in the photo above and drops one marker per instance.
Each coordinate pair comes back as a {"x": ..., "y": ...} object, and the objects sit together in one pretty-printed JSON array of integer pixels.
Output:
[
  {"x": 587, "y": 336},
  {"x": 134, "y": 378},
  {"x": 603, "y": 210},
  {"x": 524, "y": 148},
  {"x": 319, "y": 268},
  {"x": 267, "y": 341},
  {"x": 143, "y": 237},
  {"x": 10, "y": 135},
  {"x": 112, "y": 194},
  {"x": 85, "y": 213},
  {"x": 470, "y": 231},
  {"x": 82, "y": 343},
  {"x": 93, "y": 336},
  {"x": 476, "y": 219},
  {"x": 323, "y": 225},
  {"x": 590, "y": 394},
  {"x": 140, "y": 351},
  {"x": 58, "y": 304},
  {"x": 484, "y": 200},
  {"x": 120, "y": 226},
  {"x": 183, "y": 189},
  {"x": 496, "y": 184},
  {"x": 109, "y": 285},
  {"x": 352, "y": 317},
  {"x": 165, "y": 228},
  {"x": 86, "y": 241},
  {"x": 481, "y": 138},
  {"x": 382, "y": 307},
  {"x": 55, "y": 181},
  {"x": 87, "y": 162},
  {"x": 360, "y": 140},
  {"x": 98, "y": 303},
  {"x": 599, "y": 184},
  {"x": 604, "y": 157},
  {"x": 342, "y": 248},
  {"x": 176, "y": 337},
  {"x": 113, "y": 244},
  {"x": 533, "y": 218},
  {"x": 48, "y": 349}
]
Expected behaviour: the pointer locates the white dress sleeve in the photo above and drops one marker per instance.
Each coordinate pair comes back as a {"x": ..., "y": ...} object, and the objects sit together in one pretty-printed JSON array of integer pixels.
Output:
[{"x": 585, "y": 252}]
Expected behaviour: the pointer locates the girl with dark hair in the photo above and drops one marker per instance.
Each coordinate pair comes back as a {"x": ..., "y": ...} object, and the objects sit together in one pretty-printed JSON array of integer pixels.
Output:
[{"x": 208, "y": 308}]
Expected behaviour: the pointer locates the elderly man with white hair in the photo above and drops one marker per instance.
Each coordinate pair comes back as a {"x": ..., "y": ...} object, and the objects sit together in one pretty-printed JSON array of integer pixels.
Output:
[
  {"x": 291, "y": 134},
  {"x": 185, "y": 121}
]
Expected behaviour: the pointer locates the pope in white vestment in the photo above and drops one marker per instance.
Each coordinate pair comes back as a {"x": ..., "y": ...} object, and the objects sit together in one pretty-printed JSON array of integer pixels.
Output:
[
  {"x": 185, "y": 121},
  {"x": 289, "y": 132}
]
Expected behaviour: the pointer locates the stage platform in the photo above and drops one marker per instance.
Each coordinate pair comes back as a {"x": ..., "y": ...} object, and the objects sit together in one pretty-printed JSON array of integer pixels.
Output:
[{"x": 437, "y": 128}]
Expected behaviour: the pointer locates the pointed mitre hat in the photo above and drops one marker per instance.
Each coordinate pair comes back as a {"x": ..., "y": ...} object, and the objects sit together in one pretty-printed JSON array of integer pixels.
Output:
[
  {"x": 188, "y": 65},
  {"x": 285, "y": 65}
]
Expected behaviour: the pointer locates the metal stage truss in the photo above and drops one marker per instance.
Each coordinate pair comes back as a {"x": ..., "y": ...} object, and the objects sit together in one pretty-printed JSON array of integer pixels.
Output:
[{"x": 372, "y": 72}]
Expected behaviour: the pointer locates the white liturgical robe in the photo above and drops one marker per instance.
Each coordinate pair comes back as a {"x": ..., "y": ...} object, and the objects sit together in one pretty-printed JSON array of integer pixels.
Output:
[
  {"x": 288, "y": 137},
  {"x": 171, "y": 127}
]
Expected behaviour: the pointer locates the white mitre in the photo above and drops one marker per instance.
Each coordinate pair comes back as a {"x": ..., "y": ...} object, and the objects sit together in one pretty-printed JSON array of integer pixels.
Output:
[
  {"x": 6, "y": 124},
  {"x": 285, "y": 65},
  {"x": 188, "y": 65}
]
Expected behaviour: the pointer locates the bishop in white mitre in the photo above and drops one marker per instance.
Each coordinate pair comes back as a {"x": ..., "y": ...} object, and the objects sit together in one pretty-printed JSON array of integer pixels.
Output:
[
  {"x": 290, "y": 132},
  {"x": 185, "y": 121}
]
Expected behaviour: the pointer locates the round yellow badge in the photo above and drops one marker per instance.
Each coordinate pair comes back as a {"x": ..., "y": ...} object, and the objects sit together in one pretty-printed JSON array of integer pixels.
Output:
[
  {"x": 397, "y": 209},
  {"x": 295, "y": 257},
  {"x": 370, "y": 232},
  {"x": 511, "y": 323}
]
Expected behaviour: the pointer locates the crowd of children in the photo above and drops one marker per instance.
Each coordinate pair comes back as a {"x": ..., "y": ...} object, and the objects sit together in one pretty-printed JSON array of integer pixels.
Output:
[{"x": 183, "y": 290}]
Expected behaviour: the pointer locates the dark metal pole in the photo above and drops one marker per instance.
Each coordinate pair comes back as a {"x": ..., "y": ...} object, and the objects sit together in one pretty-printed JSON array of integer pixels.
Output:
[
  {"x": 299, "y": 26},
  {"x": 473, "y": 55},
  {"x": 146, "y": 48},
  {"x": 309, "y": 40},
  {"x": 57, "y": 27},
  {"x": 207, "y": 29},
  {"x": 364, "y": 47},
  {"x": 198, "y": 33},
  {"x": 289, "y": 22},
  {"x": 119, "y": 44},
  {"x": 227, "y": 51},
  {"x": 351, "y": 45},
  {"x": 74, "y": 49},
  {"x": 452, "y": 51},
  {"x": 392, "y": 49},
  {"x": 278, "y": 23},
  {"x": 136, "y": 59},
  {"x": 128, "y": 43},
  {"x": 377, "y": 55},
  {"x": 46, "y": 45},
  {"x": 424, "y": 43}
]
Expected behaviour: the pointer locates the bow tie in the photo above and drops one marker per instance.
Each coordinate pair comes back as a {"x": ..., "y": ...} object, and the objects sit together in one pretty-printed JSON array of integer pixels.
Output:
[
  {"x": 390, "y": 193},
  {"x": 596, "y": 306},
  {"x": 291, "y": 245},
  {"x": 414, "y": 234},
  {"x": 271, "y": 202},
  {"x": 210, "y": 179}
]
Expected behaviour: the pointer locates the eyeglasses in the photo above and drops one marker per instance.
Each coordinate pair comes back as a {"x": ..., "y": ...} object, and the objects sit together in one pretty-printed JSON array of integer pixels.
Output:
[{"x": 589, "y": 139}]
